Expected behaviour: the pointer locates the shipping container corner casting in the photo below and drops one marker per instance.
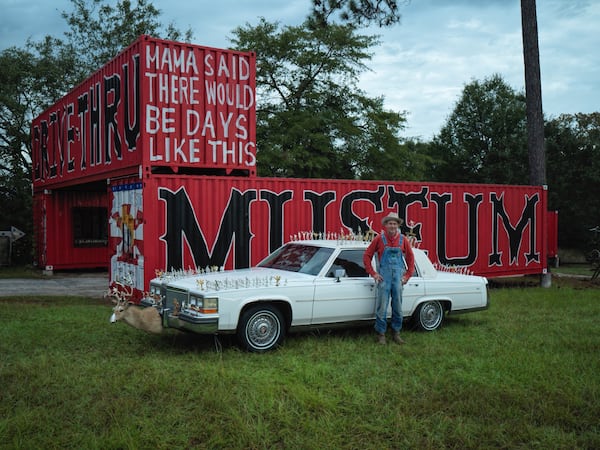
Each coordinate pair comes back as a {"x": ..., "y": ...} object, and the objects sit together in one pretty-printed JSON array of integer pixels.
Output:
[{"x": 150, "y": 164}]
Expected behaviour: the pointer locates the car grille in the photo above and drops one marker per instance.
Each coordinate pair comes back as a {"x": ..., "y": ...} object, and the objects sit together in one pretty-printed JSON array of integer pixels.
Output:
[{"x": 175, "y": 295}]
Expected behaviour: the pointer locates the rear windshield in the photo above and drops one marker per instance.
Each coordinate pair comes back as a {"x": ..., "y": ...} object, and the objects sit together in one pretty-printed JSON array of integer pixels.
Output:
[{"x": 299, "y": 258}]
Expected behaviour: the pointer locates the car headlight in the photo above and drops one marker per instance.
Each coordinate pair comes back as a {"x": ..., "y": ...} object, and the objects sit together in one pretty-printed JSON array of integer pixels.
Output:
[
  {"x": 154, "y": 289},
  {"x": 209, "y": 305}
]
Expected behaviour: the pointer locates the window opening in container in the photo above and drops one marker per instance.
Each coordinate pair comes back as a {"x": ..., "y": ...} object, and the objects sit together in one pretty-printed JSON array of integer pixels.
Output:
[{"x": 90, "y": 227}]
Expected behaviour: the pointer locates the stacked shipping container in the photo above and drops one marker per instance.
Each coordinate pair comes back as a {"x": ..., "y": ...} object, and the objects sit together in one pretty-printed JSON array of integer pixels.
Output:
[{"x": 150, "y": 164}]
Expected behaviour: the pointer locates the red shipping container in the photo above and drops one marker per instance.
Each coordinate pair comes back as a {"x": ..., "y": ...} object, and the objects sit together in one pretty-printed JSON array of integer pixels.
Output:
[
  {"x": 194, "y": 222},
  {"x": 180, "y": 108},
  {"x": 70, "y": 228},
  {"x": 553, "y": 236},
  {"x": 158, "y": 106}
]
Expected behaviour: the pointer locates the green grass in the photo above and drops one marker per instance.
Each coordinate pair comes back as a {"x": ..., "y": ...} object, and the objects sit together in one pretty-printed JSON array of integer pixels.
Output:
[
  {"x": 524, "y": 374},
  {"x": 20, "y": 272},
  {"x": 574, "y": 269}
]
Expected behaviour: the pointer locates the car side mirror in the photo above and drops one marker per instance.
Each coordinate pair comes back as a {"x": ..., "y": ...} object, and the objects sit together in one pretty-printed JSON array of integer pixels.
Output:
[{"x": 339, "y": 273}]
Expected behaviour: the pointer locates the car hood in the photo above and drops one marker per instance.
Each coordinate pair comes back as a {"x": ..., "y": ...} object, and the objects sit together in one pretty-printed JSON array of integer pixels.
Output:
[{"x": 231, "y": 280}]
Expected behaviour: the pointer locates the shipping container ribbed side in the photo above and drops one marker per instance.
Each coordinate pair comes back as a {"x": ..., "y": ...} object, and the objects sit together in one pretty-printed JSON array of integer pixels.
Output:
[
  {"x": 553, "y": 236},
  {"x": 168, "y": 106},
  {"x": 199, "y": 108},
  {"x": 71, "y": 228},
  {"x": 194, "y": 222},
  {"x": 93, "y": 132}
]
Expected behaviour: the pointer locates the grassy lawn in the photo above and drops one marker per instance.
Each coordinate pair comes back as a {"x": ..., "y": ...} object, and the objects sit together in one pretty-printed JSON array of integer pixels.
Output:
[
  {"x": 574, "y": 269},
  {"x": 524, "y": 374},
  {"x": 20, "y": 272}
]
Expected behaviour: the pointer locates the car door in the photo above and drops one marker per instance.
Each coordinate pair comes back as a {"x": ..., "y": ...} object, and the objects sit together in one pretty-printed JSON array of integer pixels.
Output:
[
  {"x": 347, "y": 298},
  {"x": 412, "y": 292}
]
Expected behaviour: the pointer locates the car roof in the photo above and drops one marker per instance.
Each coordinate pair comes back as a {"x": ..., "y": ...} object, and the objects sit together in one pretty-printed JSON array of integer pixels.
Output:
[{"x": 426, "y": 268}]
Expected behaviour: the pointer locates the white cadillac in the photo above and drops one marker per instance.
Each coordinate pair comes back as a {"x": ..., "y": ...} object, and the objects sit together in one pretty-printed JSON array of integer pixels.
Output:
[{"x": 308, "y": 283}]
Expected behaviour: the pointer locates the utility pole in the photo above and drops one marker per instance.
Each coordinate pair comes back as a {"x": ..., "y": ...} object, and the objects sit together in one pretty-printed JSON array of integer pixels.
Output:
[{"x": 533, "y": 99}]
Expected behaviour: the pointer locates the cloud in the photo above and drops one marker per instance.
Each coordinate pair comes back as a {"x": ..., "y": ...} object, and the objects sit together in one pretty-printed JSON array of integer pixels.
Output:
[
  {"x": 422, "y": 64},
  {"x": 22, "y": 20},
  {"x": 213, "y": 22},
  {"x": 425, "y": 63},
  {"x": 440, "y": 46}
]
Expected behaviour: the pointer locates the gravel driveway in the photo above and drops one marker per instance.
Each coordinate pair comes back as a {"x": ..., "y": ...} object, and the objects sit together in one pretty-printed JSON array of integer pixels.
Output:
[{"x": 86, "y": 284}]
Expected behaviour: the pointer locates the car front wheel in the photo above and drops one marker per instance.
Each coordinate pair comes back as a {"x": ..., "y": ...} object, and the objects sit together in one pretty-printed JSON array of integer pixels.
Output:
[
  {"x": 429, "y": 315},
  {"x": 261, "y": 328}
]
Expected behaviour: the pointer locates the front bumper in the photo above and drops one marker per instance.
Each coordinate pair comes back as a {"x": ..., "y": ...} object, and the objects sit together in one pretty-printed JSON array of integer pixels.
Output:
[
  {"x": 197, "y": 323},
  {"x": 187, "y": 320}
]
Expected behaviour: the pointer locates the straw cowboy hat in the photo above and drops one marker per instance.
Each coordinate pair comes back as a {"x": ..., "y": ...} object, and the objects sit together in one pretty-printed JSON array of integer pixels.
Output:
[{"x": 390, "y": 217}]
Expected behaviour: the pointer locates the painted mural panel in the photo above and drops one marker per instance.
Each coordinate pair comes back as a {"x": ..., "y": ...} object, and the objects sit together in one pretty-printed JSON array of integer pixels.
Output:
[{"x": 126, "y": 226}]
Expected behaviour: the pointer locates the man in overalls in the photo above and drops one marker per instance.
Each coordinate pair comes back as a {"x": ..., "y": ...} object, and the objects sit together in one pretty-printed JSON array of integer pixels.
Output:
[{"x": 393, "y": 250}]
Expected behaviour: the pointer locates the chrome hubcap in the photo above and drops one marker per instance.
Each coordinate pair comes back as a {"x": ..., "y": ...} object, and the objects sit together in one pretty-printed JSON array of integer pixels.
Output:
[
  {"x": 263, "y": 329},
  {"x": 431, "y": 315}
]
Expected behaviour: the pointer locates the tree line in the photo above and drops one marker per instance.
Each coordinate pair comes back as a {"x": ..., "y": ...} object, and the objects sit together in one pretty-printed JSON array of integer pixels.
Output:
[{"x": 313, "y": 120}]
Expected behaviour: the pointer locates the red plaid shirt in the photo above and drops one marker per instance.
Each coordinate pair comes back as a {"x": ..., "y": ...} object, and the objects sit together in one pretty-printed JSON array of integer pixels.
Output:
[{"x": 377, "y": 246}]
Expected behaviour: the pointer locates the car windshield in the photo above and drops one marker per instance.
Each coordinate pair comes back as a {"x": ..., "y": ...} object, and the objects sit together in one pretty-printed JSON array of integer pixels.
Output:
[{"x": 300, "y": 258}]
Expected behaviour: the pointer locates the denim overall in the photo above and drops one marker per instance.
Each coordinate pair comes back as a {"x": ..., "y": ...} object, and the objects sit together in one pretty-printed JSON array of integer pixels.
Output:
[{"x": 391, "y": 268}]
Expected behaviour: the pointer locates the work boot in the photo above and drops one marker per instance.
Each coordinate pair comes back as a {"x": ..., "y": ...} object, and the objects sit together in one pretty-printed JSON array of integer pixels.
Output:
[
  {"x": 381, "y": 339},
  {"x": 397, "y": 339}
]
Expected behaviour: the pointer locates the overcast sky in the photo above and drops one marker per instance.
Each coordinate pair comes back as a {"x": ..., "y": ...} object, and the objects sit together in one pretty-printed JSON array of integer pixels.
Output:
[{"x": 421, "y": 65}]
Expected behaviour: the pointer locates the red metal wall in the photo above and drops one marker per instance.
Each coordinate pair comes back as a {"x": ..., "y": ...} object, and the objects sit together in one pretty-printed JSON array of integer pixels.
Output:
[
  {"x": 55, "y": 237},
  {"x": 157, "y": 106},
  {"x": 493, "y": 230},
  {"x": 158, "y": 103},
  {"x": 552, "y": 234},
  {"x": 199, "y": 107},
  {"x": 93, "y": 132}
]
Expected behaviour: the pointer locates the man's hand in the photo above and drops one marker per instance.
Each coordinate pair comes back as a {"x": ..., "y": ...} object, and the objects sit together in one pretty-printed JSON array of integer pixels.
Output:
[
  {"x": 404, "y": 280},
  {"x": 378, "y": 277}
]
